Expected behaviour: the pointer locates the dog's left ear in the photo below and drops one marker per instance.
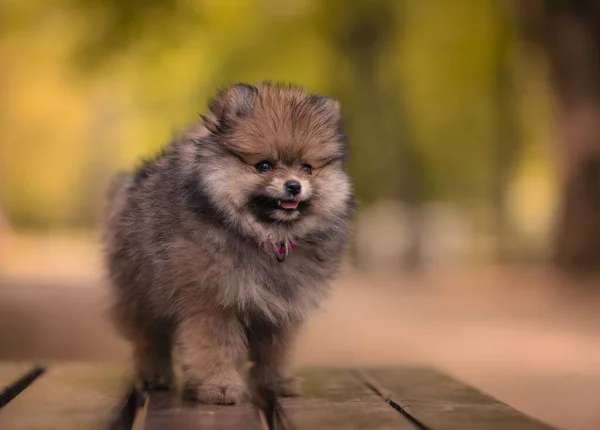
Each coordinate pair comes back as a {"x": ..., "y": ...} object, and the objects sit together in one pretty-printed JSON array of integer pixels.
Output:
[
  {"x": 233, "y": 102},
  {"x": 328, "y": 106}
]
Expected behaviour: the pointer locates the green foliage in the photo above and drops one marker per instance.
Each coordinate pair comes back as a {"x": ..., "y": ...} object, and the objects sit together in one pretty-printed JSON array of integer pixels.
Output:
[{"x": 121, "y": 26}]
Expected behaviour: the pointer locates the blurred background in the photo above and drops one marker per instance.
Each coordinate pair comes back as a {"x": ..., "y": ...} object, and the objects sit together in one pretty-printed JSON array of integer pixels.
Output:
[{"x": 475, "y": 151}]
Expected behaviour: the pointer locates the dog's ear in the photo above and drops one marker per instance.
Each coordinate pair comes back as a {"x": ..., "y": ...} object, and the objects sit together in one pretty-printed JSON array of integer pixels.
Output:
[
  {"x": 233, "y": 102},
  {"x": 328, "y": 107}
]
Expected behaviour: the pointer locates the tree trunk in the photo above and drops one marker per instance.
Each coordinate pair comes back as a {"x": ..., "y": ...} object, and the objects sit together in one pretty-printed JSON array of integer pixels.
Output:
[
  {"x": 507, "y": 141},
  {"x": 569, "y": 31},
  {"x": 366, "y": 39}
]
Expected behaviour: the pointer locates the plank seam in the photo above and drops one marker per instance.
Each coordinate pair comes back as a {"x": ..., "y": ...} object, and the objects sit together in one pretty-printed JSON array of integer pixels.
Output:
[
  {"x": 13, "y": 390},
  {"x": 127, "y": 417},
  {"x": 379, "y": 391},
  {"x": 270, "y": 411}
]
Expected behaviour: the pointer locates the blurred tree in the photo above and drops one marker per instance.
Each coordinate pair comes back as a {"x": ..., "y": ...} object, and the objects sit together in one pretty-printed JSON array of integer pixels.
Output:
[
  {"x": 364, "y": 37},
  {"x": 507, "y": 141},
  {"x": 569, "y": 33}
]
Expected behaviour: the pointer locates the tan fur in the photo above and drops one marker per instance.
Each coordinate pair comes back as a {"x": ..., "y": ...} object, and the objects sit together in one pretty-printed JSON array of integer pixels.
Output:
[{"x": 189, "y": 241}]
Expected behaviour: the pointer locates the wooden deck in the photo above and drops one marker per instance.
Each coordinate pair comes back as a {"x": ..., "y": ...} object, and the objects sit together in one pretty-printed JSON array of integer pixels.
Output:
[{"x": 86, "y": 396}]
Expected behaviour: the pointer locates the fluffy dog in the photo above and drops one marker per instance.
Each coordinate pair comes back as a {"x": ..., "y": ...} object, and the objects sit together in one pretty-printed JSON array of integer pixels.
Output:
[{"x": 220, "y": 246}]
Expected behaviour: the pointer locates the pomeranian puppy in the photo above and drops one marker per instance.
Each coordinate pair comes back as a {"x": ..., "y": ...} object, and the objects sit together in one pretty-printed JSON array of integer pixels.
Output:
[{"x": 220, "y": 246}]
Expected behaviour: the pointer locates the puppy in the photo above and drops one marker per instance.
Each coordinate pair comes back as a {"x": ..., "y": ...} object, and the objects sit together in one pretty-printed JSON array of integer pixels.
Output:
[{"x": 220, "y": 246}]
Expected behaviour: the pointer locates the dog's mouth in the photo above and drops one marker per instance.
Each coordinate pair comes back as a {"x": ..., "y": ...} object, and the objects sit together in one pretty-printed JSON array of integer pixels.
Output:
[{"x": 269, "y": 209}]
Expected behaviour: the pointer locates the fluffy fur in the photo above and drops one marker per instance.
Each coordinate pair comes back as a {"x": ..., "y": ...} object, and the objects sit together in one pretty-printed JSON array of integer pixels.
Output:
[{"x": 191, "y": 240}]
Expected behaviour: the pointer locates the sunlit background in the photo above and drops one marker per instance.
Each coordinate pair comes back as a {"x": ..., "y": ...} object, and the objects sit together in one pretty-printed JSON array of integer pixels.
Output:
[{"x": 474, "y": 151}]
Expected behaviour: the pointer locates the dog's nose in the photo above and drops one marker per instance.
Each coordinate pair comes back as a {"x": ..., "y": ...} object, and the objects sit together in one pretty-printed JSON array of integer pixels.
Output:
[{"x": 293, "y": 187}]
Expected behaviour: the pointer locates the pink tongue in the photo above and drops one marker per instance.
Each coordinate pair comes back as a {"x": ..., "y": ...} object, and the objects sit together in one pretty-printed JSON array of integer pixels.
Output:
[{"x": 292, "y": 204}]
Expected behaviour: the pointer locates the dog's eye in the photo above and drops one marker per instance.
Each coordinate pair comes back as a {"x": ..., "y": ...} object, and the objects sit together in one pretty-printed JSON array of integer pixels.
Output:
[
  {"x": 264, "y": 166},
  {"x": 307, "y": 168}
]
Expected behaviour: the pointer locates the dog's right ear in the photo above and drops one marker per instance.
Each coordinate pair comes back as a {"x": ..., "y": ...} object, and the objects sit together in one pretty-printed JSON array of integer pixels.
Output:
[
  {"x": 233, "y": 102},
  {"x": 327, "y": 106}
]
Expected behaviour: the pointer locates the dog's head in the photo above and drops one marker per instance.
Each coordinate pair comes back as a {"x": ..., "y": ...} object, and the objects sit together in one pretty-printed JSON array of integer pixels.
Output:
[{"x": 273, "y": 163}]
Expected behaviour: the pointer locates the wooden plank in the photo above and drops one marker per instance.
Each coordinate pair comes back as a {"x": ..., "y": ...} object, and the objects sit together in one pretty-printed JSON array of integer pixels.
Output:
[
  {"x": 68, "y": 396},
  {"x": 14, "y": 378},
  {"x": 442, "y": 403},
  {"x": 167, "y": 411},
  {"x": 336, "y": 399}
]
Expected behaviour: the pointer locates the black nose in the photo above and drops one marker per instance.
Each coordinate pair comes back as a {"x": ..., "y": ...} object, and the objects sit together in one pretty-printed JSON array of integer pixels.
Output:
[{"x": 293, "y": 187}]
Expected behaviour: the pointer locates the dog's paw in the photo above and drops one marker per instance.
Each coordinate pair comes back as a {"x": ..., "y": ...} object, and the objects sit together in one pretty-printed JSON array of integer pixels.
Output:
[{"x": 219, "y": 390}]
